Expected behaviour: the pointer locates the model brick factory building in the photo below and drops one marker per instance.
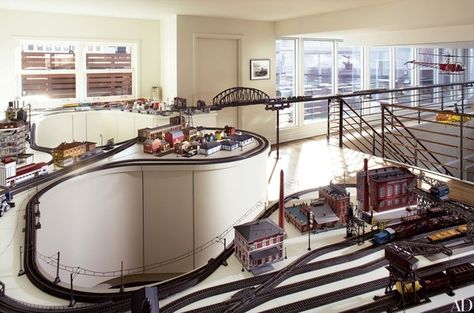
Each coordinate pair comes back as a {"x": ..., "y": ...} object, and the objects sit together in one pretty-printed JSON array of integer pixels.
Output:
[{"x": 388, "y": 188}]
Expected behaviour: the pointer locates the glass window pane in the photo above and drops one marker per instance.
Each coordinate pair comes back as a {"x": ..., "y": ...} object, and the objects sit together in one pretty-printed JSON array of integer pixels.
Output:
[
  {"x": 109, "y": 84},
  {"x": 317, "y": 65},
  {"x": 109, "y": 57},
  {"x": 286, "y": 78},
  {"x": 379, "y": 67},
  {"x": 34, "y": 58},
  {"x": 403, "y": 74},
  {"x": 426, "y": 73},
  {"x": 348, "y": 69},
  {"x": 54, "y": 86}
]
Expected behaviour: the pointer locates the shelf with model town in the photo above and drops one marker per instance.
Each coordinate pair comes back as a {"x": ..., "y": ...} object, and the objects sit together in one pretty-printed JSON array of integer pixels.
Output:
[{"x": 407, "y": 213}]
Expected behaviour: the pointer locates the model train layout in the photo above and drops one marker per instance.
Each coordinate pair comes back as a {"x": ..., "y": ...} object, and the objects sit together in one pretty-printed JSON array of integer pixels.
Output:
[{"x": 435, "y": 219}]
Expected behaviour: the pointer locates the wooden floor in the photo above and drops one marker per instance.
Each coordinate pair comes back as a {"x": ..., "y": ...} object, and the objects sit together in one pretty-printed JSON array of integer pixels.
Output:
[{"x": 311, "y": 162}]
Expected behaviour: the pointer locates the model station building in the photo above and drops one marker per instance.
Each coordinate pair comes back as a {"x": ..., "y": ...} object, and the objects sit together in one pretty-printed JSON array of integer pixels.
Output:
[
  {"x": 66, "y": 153},
  {"x": 258, "y": 243}
]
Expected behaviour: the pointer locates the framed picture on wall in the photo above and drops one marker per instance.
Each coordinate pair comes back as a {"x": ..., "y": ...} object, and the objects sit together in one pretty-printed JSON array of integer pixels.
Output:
[{"x": 259, "y": 69}]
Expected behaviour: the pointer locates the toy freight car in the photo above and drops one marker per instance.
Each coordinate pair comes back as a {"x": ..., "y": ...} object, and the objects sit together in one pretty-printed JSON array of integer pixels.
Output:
[{"x": 461, "y": 274}]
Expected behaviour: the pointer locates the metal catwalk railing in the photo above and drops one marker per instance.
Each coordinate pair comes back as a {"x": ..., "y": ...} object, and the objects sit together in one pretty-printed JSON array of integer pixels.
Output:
[{"x": 429, "y": 127}]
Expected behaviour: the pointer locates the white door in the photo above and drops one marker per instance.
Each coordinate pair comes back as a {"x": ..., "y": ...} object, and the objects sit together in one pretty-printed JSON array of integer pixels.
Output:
[{"x": 217, "y": 70}]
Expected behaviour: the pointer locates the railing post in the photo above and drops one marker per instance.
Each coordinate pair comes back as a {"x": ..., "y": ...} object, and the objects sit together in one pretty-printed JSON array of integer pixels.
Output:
[
  {"x": 442, "y": 99},
  {"x": 278, "y": 134},
  {"x": 461, "y": 138},
  {"x": 373, "y": 142},
  {"x": 340, "y": 121},
  {"x": 383, "y": 130},
  {"x": 329, "y": 122}
]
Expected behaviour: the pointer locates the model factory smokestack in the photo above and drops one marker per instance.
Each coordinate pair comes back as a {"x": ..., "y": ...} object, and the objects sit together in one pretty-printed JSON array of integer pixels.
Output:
[{"x": 281, "y": 215}]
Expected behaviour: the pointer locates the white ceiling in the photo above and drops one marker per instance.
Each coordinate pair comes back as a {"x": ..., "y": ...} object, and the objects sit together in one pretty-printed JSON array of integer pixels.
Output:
[{"x": 265, "y": 10}]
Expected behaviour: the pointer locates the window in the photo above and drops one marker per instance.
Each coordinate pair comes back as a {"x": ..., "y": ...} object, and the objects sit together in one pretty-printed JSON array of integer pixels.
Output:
[
  {"x": 403, "y": 74},
  {"x": 426, "y": 74},
  {"x": 389, "y": 191},
  {"x": 349, "y": 72},
  {"x": 48, "y": 70},
  {"x": 349, "y": 69},
  {"x": 286, "y": 78},
  {"x": 318, "y": 67},
  {"x": 78, "y": 71},
  {"x": 397, "y": 189},
  {"x": 109, "y": 70},
  {"x": 382, "y": 191},
  {"x": 405, "y": 188},
  {"x": 379, "y": 67}
]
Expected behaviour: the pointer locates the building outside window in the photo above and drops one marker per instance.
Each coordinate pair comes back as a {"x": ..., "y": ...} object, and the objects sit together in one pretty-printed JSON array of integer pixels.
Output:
[
  {"x": 76, "y": 71},
  {"x": 348, "y": 69},
  {"x": 426, "y": 74},
  {"x": 286, "y": 78},
  {"x": 379, "y": 63},
  {"x": 349, "y": 72},
  {"x": 379, "y": 66},
  {"x": 108, "y": 70},
  {"x": 318, "y": 71},
  {"x": 48, "y": 70}
]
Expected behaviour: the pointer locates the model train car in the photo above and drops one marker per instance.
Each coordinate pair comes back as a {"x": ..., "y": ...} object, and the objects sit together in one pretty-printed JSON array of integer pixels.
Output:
[
  {"x": 411, "y": 228},
  {"x": 452, "y": 233},
  {"x": 455, "y": 276},
  {"x": 440, "y": 191}
]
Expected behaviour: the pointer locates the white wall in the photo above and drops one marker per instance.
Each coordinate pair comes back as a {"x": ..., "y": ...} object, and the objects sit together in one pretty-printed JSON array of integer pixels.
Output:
[
  {"x": 257, "y": 42},
  {"x": 394, "y": 23},
  {"x": 168, "y": 44},
  {"x": 16, "y": 25}
]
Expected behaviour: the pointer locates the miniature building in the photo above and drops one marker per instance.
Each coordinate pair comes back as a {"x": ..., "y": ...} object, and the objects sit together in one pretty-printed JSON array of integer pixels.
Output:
[
  {"x": 388, "y": 188},
  {"x": 229, "y": 145},
  {"x": 243, "y": 139},
  {"x": 189, "y": 133},
  {"x": 165, "y": 146},
  {"x": 337, "y": 198},
  {"x": 66, "y": 153},
  {"x": 219, "y": 134},
  {"x": 258, "y": 243},
  {"x": 151, "y": 146},
  {"x": 13, "y": 136},
  {"x": 229, "y": 130},
  {"x": 321, "y": 214},
  {"x": 7, "y": 170},
  {"x": 208, "y": 148},
  {"x": 174, "y": 136}
]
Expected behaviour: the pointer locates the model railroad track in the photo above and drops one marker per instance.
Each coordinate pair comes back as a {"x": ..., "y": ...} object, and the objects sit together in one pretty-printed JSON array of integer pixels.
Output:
[
  {"x": 246, "y": 303},
  {"x": 295, "y": 287},
  {"x": 356, "y": 290},
  {"x": 244, "y": 284}
]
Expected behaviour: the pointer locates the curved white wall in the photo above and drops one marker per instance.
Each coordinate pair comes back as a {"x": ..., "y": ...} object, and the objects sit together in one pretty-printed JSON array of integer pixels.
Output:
[{"x": 145, "y": 215}]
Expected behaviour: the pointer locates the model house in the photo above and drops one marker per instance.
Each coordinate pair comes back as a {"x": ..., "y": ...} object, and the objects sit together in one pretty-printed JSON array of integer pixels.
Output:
[{"x": 258, "y": 243}]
